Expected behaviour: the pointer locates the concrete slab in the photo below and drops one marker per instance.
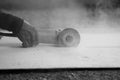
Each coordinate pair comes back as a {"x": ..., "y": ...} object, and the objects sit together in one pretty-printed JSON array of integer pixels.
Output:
[{"x": 95, "y": 50}]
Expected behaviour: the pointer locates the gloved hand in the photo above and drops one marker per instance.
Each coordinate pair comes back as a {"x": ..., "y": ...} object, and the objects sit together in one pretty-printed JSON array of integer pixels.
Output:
[{"x": 28, "y": 35}]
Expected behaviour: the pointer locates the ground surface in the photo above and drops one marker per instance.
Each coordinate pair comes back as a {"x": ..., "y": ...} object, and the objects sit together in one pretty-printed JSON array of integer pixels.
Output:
[
  {"x": 95, "y": 50},
  {"x": 61, "y": 75}
]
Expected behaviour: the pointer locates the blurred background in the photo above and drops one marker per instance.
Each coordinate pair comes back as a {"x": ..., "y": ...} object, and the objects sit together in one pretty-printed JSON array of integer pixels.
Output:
[{"x": 85, "y": 15}]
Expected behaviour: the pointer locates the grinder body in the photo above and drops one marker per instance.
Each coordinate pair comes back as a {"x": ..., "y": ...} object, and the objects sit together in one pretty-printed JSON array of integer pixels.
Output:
[{"x": 67, "y": 37}]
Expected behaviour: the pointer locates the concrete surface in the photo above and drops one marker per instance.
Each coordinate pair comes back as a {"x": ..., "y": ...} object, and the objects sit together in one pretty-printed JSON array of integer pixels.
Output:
[{"x": 95, "y": 50}]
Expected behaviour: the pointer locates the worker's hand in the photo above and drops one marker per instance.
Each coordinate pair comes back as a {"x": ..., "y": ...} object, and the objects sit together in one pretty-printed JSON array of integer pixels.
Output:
[{"x": 28, "y": 35}]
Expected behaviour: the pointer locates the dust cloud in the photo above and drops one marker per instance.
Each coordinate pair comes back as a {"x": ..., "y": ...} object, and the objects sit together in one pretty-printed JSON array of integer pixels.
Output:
[{"x": 84, "y": 15}]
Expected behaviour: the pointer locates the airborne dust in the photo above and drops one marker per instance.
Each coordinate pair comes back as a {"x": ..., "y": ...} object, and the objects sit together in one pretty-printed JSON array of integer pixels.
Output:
[{"x": 84, "y": 15}]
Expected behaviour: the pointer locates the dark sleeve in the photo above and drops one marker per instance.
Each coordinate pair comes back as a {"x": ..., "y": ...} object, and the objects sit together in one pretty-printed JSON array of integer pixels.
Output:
[
  {"x": 16, "y": 24},
  {"x": 10, "y": 22}
]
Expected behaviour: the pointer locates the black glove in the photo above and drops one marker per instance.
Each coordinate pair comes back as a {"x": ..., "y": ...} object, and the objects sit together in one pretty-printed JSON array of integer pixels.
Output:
[{"x": 28, "y": 35}]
